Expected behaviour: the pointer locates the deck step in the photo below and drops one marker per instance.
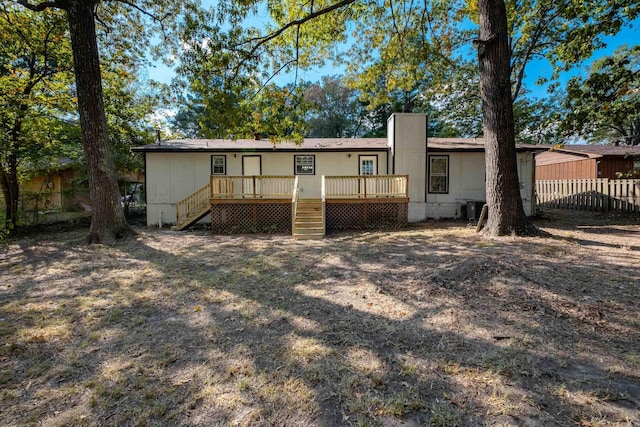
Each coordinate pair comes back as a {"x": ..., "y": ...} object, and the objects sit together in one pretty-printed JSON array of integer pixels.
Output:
[
  {"x": 309, "y": 231},
  {"x": 309, "y": 223},
  {"x": 308, "y": 237},
  {"x": 309, "y": 214}
]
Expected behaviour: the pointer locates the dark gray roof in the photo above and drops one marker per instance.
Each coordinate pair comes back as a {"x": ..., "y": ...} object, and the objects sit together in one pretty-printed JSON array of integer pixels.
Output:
[
  {"x": 317, "y": 144},
  {"x": 309, "y": 144}
]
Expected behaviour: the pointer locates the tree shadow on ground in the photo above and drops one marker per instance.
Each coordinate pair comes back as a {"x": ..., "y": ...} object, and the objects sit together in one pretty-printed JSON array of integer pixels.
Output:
[{"x": 362, "y": 329}]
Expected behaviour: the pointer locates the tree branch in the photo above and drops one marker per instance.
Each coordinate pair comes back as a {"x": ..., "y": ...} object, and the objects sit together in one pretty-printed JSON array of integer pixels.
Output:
[
  {"x": 40, "y": 6},
  {"x": 485, "y": 42},
  {"x": 143, "y": 11},
  {"x": 393, "y": 19},
  {"x": 101, "y": 22},
  {"x": 263, "y": 40},
  {"x": 534, "y": 44},
  {"x": 298, "y": 50},
  {"x": 282, "y": 67},
  {"x": 156, "y": 18},
  {"x": 248, "y": 55},
  {"x": 429, "y": 21}
]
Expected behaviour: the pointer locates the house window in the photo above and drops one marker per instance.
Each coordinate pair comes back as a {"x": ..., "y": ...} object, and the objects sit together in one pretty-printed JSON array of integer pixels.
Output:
[
  {"x": 439, "y": 174},
  {"x": 304, "y": 165},
  {"x": 218, "y": 165}
]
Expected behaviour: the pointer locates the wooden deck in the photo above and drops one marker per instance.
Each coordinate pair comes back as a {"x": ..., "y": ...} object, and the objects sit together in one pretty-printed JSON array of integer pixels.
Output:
[{"x": 255, "y": 204}]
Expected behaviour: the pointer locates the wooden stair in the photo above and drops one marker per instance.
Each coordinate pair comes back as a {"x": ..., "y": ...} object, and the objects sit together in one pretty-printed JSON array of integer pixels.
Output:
[
  {"x": 193, "y": 208},
  {"x": 309, "y": 220},
  {"x": 194, "y": 217}
]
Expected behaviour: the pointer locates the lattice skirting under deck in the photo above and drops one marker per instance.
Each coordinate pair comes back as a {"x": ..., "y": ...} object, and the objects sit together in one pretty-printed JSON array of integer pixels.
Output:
[
  {"x": 251, "y": 218},
  {"x": 348, "y": 215}
]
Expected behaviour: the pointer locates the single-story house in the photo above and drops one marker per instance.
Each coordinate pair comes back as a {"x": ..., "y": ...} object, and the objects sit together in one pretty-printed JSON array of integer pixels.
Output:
[
  {"x": 404, "y": 177},
  {"x": 47, "y": 189},
  {"x": 587, "y": 162},
  {"x": 59, "y": 186},
  {"x": 52, "y": 186}
]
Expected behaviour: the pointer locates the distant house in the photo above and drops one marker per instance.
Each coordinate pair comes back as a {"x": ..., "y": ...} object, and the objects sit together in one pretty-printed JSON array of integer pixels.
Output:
[
  {"x": 59, "y": 186},
  {"x": 52, "y": 187},
  {"x": 587, "y": 162},
  {"x": 349, "y": 183}
]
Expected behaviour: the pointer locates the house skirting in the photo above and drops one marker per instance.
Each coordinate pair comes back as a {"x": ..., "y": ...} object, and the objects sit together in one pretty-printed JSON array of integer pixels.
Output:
[
  {"x": 275, "y": 216},
  {"x": 251, "y": 216},
  {"x": 356, "y": 214}
]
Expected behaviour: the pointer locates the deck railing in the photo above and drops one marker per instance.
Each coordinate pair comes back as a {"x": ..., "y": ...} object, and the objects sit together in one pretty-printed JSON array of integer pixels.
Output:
[
  {"x": 372, "y": 186},
  {"x": 192, "y": 205},
  {"x": 248, "y": 187},
  {"x": 323, "y": 198},
  {"x": 294, "y": 204}
]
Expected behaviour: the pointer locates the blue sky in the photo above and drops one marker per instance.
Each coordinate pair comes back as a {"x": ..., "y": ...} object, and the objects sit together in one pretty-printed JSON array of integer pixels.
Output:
[{"x": 628, "y": 35}]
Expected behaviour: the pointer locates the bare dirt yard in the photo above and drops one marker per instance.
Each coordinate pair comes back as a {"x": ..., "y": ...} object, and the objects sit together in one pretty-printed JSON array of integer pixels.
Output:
[{"x": 431, "y": 325}]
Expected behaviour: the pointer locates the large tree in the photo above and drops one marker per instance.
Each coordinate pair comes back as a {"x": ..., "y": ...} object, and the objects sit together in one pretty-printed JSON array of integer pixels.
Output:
[
  {"x": 605, "y": 105},
  {"x": 121, "y": 18},
  {"x": 35, "y": 86},
  {"x": 506, "y": 214},
  {"x": 336, "y": 111}
]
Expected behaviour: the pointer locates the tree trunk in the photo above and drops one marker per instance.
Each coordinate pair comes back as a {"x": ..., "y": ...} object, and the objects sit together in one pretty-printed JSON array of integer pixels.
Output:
[
  {"x": 10, "y": 189},
  {"x": 9, "y": 170},
  {"x": 108, "y": 222},
  {"x": 506, "y": 214}
]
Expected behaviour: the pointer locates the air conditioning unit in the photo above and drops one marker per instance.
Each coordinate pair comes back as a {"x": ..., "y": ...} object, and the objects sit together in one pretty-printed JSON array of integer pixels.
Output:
[{"x": 474, "y": 208}]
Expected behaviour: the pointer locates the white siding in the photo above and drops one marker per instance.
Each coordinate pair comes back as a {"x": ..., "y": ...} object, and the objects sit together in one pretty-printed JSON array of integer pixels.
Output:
[
  {"x": 467, "y": 183},
  {"x": 173, "y": 176},
  {"x": 408, "y": 142}
]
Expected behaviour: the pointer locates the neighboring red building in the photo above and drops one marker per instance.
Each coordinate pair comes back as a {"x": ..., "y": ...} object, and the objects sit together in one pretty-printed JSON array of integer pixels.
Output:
[{"x": 587, "y": 162}]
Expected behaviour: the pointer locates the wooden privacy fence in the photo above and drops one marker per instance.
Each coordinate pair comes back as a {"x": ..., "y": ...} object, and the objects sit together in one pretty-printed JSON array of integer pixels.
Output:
[{"x": 621, "y": 195}]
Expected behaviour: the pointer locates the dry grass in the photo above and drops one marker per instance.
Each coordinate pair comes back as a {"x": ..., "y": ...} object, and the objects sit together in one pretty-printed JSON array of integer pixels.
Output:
[{"x": 428, "y": 326}]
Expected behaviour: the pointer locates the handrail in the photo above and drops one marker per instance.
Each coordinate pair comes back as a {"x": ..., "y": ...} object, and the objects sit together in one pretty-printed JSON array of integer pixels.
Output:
[
  {"x": 251, "y": 186},
  {"x": 323, "y": 195},
  {"x": 294, "y": 204},
  {"x": 366, "y": 186},
  {"x": 192, "y": 204}
]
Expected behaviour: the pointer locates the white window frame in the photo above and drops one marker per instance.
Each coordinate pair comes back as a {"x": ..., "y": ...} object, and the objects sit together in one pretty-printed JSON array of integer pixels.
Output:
[{"x": 213, "y": 164}]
